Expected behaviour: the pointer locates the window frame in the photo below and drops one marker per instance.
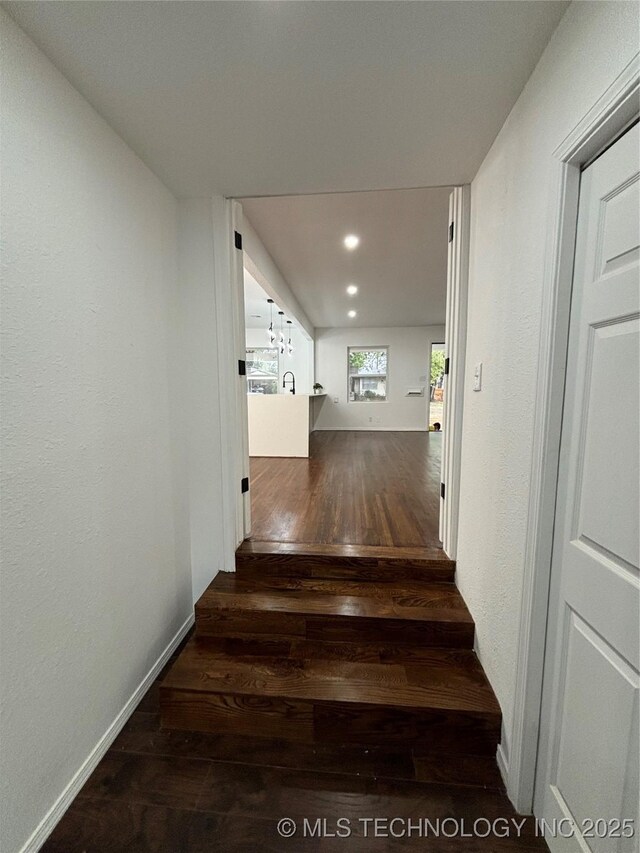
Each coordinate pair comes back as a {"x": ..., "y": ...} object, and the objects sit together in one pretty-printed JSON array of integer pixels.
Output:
[
  {"x": 370, "y": 348},
  {"x": 249, "y": 349}
]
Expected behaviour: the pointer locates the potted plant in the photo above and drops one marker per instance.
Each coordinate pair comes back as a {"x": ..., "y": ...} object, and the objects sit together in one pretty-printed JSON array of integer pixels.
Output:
[{"x": 317, "y": 388}]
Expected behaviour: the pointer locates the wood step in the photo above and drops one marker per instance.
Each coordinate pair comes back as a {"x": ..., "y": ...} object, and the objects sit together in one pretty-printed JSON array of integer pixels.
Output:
[
  {"x": 301, "y": 649},
  {"x": 143, "y": 736},
  {"x": 356, "y": 562},
  {"x": 444, "y": 706},
  {"x": 429, "y": 615}
]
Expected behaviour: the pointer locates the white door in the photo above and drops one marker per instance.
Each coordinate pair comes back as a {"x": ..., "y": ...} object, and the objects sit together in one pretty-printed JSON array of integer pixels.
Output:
[
  {"x": 588, "y": 758},
  {"x": 454, "y": 350}
]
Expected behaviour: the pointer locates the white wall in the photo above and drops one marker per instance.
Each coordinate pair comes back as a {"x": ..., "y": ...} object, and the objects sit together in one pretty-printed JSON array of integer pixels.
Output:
[
  {"x": 96, "y": 577},
  {"x": 300, "y": 361},
  {"x": 510, "y": 210},
  {"x": 408, "y": 366},
  {"x": 199, "y": 403}
]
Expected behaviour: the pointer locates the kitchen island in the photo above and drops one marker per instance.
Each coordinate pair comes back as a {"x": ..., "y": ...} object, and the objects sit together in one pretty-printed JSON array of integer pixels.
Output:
[{"x": 279, "y": 424}]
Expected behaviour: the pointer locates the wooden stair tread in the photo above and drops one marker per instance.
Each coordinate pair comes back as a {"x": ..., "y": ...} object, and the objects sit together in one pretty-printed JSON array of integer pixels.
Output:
[
  {"x": 447, "y": 684},
  {"x": 433, "y": 602}
]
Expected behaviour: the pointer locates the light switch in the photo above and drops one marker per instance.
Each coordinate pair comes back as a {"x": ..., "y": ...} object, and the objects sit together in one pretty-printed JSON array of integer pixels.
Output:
[
  {"x": 336, "y": 399},
  {"x": 477, "y": 377}
]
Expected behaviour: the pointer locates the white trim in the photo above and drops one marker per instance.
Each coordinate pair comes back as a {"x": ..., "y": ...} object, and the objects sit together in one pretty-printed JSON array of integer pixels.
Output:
[
  {"x": 369, "y": 428},
  {"x": 503, "y": 763},
  {"x": 57, "y": 810},
  {"x": 243, "y": 520},
  {"x": 227, "y": 371},
  {"x": 609, "y": 115},
  {"x": 455, "y": 351}
]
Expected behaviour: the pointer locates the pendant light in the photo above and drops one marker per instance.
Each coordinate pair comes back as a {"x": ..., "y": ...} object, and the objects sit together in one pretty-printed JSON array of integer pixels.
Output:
[
  {"x": 281, "y": 335},
  {"x": 270, "y": 332},
  {"x": 289, "y": 344}
]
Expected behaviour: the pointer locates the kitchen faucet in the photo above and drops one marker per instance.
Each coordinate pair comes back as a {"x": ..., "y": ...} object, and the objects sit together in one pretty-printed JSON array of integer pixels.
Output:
[{"x": 293, "y": 381}]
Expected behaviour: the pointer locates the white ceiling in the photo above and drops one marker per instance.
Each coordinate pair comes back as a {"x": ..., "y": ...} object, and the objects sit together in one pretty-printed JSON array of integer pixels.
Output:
[
  {"x": 269, "y": 98},
  {"x": 400, "y": 265}
]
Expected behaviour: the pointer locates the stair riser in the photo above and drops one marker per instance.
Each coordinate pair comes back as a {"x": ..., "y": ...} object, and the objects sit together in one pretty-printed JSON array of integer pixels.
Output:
[
  {"x": 453, "y": 733},
  {"x": 469, "y": 770},
  {"x": 344, "y": 629},
  {"x": 255, "y": 566},
  {"x": 302, "y": 649}
]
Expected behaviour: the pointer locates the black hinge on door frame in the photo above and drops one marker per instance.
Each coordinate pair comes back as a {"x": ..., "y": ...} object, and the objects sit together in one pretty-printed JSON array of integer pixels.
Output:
[
  {"x": 446, "y": 366},
  {"x": 242, "y": 367},
  {"x": 451, "y": 232},
  {"x": 244, "y": 484},
  {"x": 442, "y": 490},
  {"x": 237, "y": 239}
]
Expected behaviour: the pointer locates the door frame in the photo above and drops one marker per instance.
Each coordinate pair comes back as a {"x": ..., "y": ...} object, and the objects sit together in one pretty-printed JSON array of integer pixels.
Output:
[
  {"x": 613, "y": 113},
  {"x": 228, "y": 261},
  {"x": 455, "y": 353},
  {"x": 243, "y": 512}
]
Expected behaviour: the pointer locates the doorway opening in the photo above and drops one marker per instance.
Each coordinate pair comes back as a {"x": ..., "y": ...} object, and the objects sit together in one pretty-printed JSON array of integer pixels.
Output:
[
  {"x": 348, "y": 294},
  {"x": 436, "y": 387}
]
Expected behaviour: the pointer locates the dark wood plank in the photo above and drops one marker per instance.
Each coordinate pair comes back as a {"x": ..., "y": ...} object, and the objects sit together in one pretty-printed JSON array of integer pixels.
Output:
[
  {"x": 371, "y": 488},
  {"x": 436, "y": 633},
  {"x": 98, "y": 826},
  {"x": 392, "y": 594},
  {"x": 236, "y": 713},
  {"x": 148, "y": 779},
  {"x": 335, "y": 550},
  {"x": 458, "y": 769},
  {"x": 257, "y": 560},
  {"x": 144, "y": 735},
  {"x": 383, "y": 685},
  {"x": 428, "y": 729},
  {"x": 248, "y": 623}
]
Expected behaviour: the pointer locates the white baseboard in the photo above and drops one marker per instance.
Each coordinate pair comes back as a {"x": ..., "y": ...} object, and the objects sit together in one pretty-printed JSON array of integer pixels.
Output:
[
  {"x": 57, "y": 810},
  {"x": 503, "y": 764},
  {"x": 370, "y": 428}
]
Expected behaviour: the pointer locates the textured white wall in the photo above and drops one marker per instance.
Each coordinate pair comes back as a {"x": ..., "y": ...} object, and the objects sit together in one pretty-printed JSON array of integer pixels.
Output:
[
  {"x": 198, "y": 404},
  {"x": 95, "y": 577},
  {"x": 510, "y": 199},
  {"x": 409, "y": 356}
]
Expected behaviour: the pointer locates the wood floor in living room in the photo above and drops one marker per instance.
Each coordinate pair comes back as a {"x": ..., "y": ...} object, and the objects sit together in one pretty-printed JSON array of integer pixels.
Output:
[
  {"x": 329, "y": 684},
  {"x": 357, "y": 488}
]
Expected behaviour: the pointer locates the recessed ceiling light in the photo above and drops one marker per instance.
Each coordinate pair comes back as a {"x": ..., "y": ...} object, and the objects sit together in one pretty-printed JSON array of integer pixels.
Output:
[
  {"x": 351, "y": 241},
  {"x": 351, "y": 314},
  {"x": 352, "y": 289}
]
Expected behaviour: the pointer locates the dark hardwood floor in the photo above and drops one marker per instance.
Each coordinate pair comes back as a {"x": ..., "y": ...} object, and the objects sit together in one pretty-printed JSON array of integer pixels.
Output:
[
  {"x": 364, "y": 488},
  {"x": 169, "y": 791}
]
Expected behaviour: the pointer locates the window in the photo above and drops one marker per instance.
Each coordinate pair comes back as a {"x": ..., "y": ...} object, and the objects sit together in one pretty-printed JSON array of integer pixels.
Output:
[
  {"x": 368, "y": 374},
  {"x": 262, "y": 370}
]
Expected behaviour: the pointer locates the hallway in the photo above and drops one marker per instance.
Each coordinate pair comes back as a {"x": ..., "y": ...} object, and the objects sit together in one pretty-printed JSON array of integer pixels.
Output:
[
  {"x": 358, "y": 488},
  {"x": 228, "y": 601}
]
